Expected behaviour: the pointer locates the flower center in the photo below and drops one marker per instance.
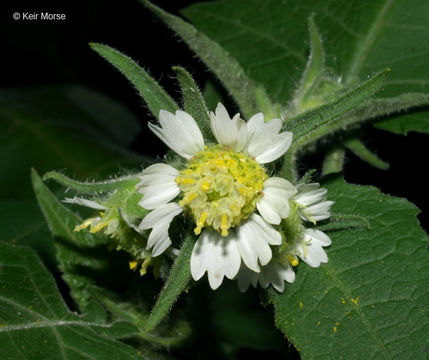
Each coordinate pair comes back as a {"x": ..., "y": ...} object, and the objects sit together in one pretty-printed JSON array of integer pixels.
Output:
[{"x": 220, "y": 187}]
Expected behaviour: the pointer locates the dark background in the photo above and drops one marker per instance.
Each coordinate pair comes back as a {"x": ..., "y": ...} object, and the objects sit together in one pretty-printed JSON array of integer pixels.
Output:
[{"x": 45, "y": 52}]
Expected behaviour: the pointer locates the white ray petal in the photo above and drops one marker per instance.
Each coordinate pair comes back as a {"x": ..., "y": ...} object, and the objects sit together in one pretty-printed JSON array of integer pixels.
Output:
[
  {"x": 266, "y": 231},
  {"x": 254, "y": 237},
  {"x": 217, "y": 255},
  {"x": 161, "y": 214},
  {"x": 264, "y": 141},
  {"x": 159, "y": 220},
  {"x": 275, "y": 274},
  {"x": 245, "y": 277},
  {"x": 274, "y": 204},
  {"x": 227, "y": 131},
  {"x": 180, "y": 132},
  {"x": 158, "y": 185},
  {"x": 314, "y": 206},
  {"x": 85, "y": 202},
  {"x": 313, "y": 253}
]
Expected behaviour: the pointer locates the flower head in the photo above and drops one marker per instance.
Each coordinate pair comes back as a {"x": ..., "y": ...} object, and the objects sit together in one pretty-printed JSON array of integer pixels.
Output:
[
  {"x": 118, "y": 224},
  {"x": 222, "y": 187},
  {"x": 309, "y": 204},
  {"x": 312, "y": 202}
]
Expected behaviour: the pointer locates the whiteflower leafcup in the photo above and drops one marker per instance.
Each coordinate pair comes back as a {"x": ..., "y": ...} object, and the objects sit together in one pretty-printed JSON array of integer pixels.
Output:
[
  {"x": 250, "y": 226},
  {"x": 235, "y": 205},
  {"x": 308, "y": 205}
]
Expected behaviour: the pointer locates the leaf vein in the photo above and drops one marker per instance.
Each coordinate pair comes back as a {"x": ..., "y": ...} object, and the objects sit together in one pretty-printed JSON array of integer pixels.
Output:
[{"x": 338, "y": 283}]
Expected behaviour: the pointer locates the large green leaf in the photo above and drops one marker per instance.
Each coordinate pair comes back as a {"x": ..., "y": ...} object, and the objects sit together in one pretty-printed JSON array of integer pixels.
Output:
[
  {"x": 80, "y": 254},
  {"x": 325, "y": 119},
  {"x": 36, "y": 323},
  {"x": 22, "y": 223},
  {"x": 155, "y": 97},
  {"x": 133, "y": 307},
  {"x": 359, "y": 37},
  {"x": 54, "y": 128},
  {"x": 249, "y": 96},
  {"x": 404, "y": 124},
  {"x": 94, "y": 273},
  {"x": 371, "y": 299}
]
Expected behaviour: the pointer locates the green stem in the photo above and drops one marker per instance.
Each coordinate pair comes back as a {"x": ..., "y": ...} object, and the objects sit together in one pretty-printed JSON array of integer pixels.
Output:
[
  {"x": 91, "y": 187},
  {"x": 180, "y": 275},
  {"x": 361, "y": 151}
]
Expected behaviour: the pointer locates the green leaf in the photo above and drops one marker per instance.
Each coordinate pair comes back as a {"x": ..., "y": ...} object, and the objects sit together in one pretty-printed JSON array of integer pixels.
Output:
[
  {"x": 44, "y": 127},
  {"x": 320, "y": 121},
  {"x": 193, "y": 101},
  {"x": 403, "y": 124},
  {"x": 173, "y": 334},
  {"x": 22, "y": 223},
  {"x": 326, "y": 119},
  {"x": 155, "y": 97},
  {"x": 389, "y": 109},
  {"x": 358, "y": 37},
  {"x": 35, "y": 322},
  {"x": 87, "y": 267},
  {"x": 369, "y": 301},
  {"x": 344, "y": 222},
  {"x": 333, "y": 161},
  {"x": 261, "y": 47},
  {"x": 250, "y": 97},
  {"x": 361, "y": 151},
  {"x": 106, "y": 114},
  {"x": 75, "y": 250},
  {"x": 91, "y": 187},
  {"x": 314, "y": 68},
  {"x": 180, "y": 275}
]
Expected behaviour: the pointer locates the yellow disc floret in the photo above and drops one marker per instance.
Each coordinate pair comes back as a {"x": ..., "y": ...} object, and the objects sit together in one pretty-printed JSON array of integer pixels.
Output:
[{"x": 220, "y": 187}]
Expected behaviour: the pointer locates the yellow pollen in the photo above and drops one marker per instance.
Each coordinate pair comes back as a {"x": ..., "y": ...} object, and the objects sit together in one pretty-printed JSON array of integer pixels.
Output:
[
  {"x": 187, "y": 181},
  {"x": 145, "y": 265},
  {"x": 97, "y": 227},
  {"x": 133, "y": 264},
  {"x": 293, "y": 260},
  {"x": 355, "y": 301},
  {"x": 224, "y": 226},
  {"x": 205, "y": 186},
  {"x": 190, "y": 197},
  {"x": 200, "y": 223},
  {"x": 84, "y": 225},
  {"x": 220, "y": 188}
]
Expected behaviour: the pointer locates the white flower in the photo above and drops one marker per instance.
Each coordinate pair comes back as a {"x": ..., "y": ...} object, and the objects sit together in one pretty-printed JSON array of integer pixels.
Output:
[
  {"x": 308, "y": 245},
  {"x": 221, "y": 187},
  {"x": 85, "y": 202},
  {"x": 312, "y": 201},
  {"x": 310, "y": 249},
  {"x": 313, "y": 207},
  {"x": 275, "y": 273},
  {"x": 159, "y": 221}
]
